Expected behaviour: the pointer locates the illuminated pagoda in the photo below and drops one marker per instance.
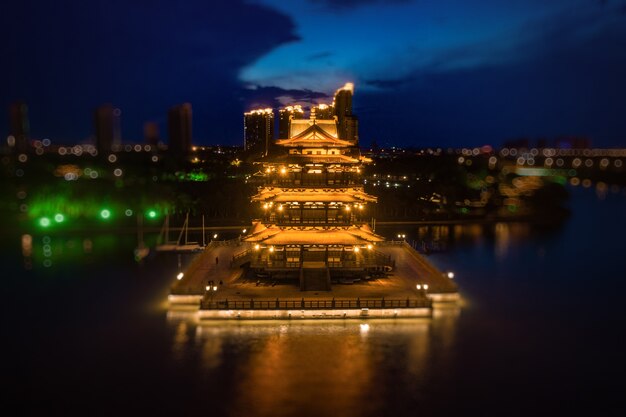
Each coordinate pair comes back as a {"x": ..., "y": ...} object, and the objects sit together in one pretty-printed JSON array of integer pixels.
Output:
[{"x": 313, "y": 224}]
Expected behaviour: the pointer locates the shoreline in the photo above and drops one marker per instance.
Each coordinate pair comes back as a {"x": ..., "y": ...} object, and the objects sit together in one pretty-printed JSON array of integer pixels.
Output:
[{"x": 537, "y": 219}]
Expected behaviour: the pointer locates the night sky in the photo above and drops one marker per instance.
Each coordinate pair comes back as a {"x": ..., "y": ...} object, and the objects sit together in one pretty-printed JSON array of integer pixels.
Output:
[{"x": 427, "y": 73}]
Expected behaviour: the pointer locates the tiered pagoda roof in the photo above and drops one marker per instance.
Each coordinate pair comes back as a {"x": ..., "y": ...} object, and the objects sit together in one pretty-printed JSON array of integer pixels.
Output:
[
  {"x": 315, "y": 135},
  {"x": 344, "y": 195},
  {"x": 350, "y": 235}
]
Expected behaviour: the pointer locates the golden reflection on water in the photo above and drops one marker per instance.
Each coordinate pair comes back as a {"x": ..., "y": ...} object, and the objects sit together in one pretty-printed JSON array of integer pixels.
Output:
[
  {"x": 328, "y": 366},
  {"x": 180, "y": 341},
  {"x": 503, "y": 240}
]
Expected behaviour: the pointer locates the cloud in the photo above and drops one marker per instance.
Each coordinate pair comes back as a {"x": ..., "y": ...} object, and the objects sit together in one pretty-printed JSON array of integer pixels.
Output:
[
  {"x": 319, "y": 55},
  {"x": 569, "y": 84},
  {"x": 142, "y": 56},
  {"x": 270, "y": 96},
  {"x": 348, "y": 4}
]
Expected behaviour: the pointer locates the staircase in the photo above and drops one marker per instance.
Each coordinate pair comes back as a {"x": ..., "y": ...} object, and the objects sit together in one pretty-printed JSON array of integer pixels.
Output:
[{"x": 314, "y": 277}]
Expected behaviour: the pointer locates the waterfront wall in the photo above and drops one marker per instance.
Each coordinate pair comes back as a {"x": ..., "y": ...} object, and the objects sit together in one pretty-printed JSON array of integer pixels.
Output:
[{"x": 315, "y": 314}]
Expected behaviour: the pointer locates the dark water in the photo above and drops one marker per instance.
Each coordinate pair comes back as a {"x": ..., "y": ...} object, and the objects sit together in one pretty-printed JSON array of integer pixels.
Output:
[{"x": 541, "y": 332}]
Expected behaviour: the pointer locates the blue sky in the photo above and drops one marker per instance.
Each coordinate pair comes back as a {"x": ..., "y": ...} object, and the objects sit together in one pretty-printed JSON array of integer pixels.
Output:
[{"x": 427, "y": 73}]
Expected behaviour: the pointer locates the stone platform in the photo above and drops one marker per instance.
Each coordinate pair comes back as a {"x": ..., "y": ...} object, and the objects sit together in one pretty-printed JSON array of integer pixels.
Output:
[{"x": 236, "y": 293}]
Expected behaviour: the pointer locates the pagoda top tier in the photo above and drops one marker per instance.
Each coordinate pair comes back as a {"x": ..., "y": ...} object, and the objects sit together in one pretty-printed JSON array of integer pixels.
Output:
[{"x": 317, "y": 133}]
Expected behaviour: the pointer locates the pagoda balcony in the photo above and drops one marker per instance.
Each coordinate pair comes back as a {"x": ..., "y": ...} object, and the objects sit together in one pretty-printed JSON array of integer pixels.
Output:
[
  {"x": 277, "y": 260},
  {"x": 319, "y": 180},
  {"x": 304, "y": 221},
  {"x": 372, "y": 264}
]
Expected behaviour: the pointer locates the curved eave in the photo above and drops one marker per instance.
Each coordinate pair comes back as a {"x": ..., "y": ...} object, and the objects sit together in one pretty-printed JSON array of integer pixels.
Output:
[
  {"x": 350, "y": 236},
  {"x": 284, "y": 197}
]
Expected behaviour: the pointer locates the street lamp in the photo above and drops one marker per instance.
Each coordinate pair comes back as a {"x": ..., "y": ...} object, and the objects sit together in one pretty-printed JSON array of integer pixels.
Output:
[
  {"x": 450, "y": 275},
  {"x": 212, "y": 288},
  {"x": 180, "y": 276}
]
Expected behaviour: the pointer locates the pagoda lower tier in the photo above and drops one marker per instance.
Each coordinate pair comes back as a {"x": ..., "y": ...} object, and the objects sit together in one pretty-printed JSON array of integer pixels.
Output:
[{"x": 338, "y": 251}]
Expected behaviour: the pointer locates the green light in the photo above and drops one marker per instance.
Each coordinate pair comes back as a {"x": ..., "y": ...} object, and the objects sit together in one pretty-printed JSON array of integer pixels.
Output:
[
  {"x": 152, "y": 214},
  {"x": 105, "y": 214},
  {"x": 59, "y": 218},
  {"x": 44, "y": 222}
]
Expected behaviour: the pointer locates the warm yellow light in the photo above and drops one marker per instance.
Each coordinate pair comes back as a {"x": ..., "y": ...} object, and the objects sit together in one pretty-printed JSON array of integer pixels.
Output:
[
  {"x": 419, "y": 287},
  {"x": 271, "y": 248},
  {"x": 356, "y": 249},
  {"x": 425, "y": 286},
  {"x": 347, "y": 208},
  {"x": 265, "y": 206},
  {"x": 369, "y": 247},
  {"x": 180, "y": 276},
  {"x": 283, "y": 170},
  {"x": 450, "y": 275},
  {"x": 280, "y": 208},
  {"x": 347, "y": 86},
  {"x": 257, "y": 247},
  {"x": 215, "y": 288}
]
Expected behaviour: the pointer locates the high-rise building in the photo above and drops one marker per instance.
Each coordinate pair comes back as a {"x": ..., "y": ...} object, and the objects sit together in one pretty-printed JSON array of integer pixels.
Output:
[
  {"x": 107, "y": 128},
  {"x": 258, "y": 130},
  {"x": 179, "y": 127},
  {"x": 347, "y": 122},
  {"x": 323, "y": 112},
  {"x": 151, "y": 133},
  {"x": 19, "y": 125},
  {"x": 285, "y": 116}
]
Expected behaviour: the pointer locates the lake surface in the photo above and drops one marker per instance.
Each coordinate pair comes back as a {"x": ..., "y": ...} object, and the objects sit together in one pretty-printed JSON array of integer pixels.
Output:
[{"x": 541, "y": 331}]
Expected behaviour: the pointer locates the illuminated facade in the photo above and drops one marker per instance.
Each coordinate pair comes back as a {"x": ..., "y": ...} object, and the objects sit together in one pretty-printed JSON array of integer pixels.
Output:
[
  {"x": 258, "y": 130},
  {"x": 323, "y": 111},
  {"x": 285, "y": 116},
  {"x": 347, "y": 123},
  {"x": 313, "y": 224}
]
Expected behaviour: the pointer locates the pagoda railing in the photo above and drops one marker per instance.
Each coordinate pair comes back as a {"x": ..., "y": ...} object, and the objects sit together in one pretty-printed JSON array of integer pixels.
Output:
[
  {"x": 329, "y": 222},
  {"x": 302, "y": 304},
  {"x": 384, "y": 261}
]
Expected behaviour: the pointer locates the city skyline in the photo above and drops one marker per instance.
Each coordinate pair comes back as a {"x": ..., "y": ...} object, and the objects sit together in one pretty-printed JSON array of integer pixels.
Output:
[{"x": 426, "y": 74}]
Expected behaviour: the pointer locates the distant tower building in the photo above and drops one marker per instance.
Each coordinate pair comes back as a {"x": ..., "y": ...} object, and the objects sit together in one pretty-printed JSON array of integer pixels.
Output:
[
  {"x": 106, "y": 123},
  {"x": 323, "y": 112},
  {"x": 285, "y": 115},
  {"x": 347, "y": 122},
  {"x": 151, "y": 134},
  {"x": 179, "y": 126},
  {"x": 258, "y": 129},
  {"x": 19, "y": 125}
]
